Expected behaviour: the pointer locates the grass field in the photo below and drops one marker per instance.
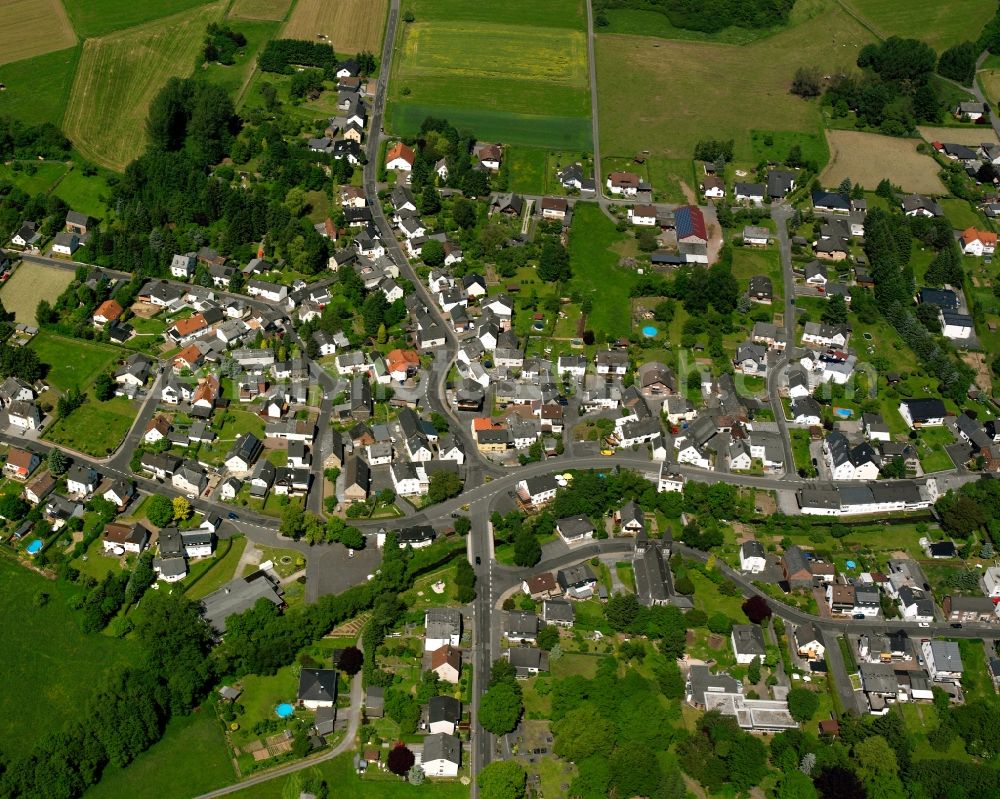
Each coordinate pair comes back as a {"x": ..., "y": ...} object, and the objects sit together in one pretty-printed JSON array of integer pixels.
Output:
[
  {"x": 596, "y": 274},
  {"x": 95, "y": 428},
  {"x": 192, "y": 752},
  {"x": 989, "y": 81},
  {"x": 29, "y": 284},
  {"x": 350, "y": 25},
  {"x": 33, "y": 27},
  {"x": 38, "y": 88},
  {"x": 275, "y": 10},
  {"x": 493, "y": 70},
  {"x": 84, "y": 194},
  {"x": 106, "y": 118},
  {"x": 664, "y": 96},
  {"x": 37, "y": 177},
  {"x": 961, "y": 214},
  {"x": 232, "y": 77},
  {"x": 867, "y": 158},
  {"x": 99, "y": 17},
  {"x": 939, "y": 24},
  {"x": 50, "y": 664}
]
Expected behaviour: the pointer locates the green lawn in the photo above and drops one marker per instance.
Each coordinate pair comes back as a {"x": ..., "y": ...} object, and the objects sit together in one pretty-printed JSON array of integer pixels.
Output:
[
  {"x": 96, "y": 428},
  {"x": 261, "y": 695},
  {"x": 49, "y": 666},
  {"x": 528, "y": 167},
  {"x": 220, "y": 569},
  {"x": 596, "y": 274},
  {"x": 72, "y": 362},
  {"x": 190, "y": 759},
  {"x": 571, "y": 665},
  {"x": 800, "y": 449},
  {"x": 346, "y": 784},
  {"x": 98, "y": 17},
  {"x": 38, "y": 88},
  {"x": 34, "y": 177},
  {"x": 749, "y": 261},
  {"x": 87, "y": 194},
  {"x": 773, "y": 145},
  {"x": 961, "y": 214},
  {"x": 708, "y": 598}
]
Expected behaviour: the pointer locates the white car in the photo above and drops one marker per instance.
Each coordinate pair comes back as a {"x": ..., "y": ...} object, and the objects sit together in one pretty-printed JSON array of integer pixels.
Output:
[
  {"x": 190, "y": 496},
  {"x": 924, "y": 624},
  {"x": 350, "y": 553}
]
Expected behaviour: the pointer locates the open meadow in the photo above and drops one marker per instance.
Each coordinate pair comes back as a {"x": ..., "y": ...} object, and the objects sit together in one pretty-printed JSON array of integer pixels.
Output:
[
  {"x": 37, "y": 89},
  {"x": 867, "y": 158},
  {"x": 349, "y": 25},
  {"x": 939, "y": 24},
  {"x": 49, "y": 665},
  {"x": 72, "y": 362},
  {"x": 665, "y": 96},
  {"x": 99, "y": 17},
  {"x": 118, "y": 77},
  {"x": 33, "y": 27},
  {"x": 495, "y": 74},
  {"x": 95, "y": 428},
  {"x": 274, "y": 10},
  {"x": 30, "y": 284}
]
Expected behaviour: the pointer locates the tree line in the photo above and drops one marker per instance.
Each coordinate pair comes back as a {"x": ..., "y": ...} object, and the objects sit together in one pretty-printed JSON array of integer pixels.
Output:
[
  {"x": 280, "y": 55},
  {"x": 708, "y": 16}
]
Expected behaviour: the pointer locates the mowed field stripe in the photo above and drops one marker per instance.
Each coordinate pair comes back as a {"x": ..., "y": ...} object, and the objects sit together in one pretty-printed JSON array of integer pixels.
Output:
[
  {"x": 33, "y": 27},
  {"x": 118, "y": 77}
]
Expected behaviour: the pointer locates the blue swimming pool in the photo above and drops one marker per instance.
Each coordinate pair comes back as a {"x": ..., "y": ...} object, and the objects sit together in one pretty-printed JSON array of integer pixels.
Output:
[
  {"x": 35, "y": 546},
  {"x": 284, "y": 710},
  {"x": 650, "y": 332},
  {"x": 843, "y": 413}
]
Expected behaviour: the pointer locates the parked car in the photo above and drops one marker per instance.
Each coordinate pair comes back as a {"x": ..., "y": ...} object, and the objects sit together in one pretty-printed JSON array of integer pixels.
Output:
[{"x": 232, "y": 516}]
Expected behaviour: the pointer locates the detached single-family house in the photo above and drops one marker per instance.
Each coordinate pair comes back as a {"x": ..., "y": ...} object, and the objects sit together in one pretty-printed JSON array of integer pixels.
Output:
[
  {"x": 446, "y": 663},
  {"x": 575, "y": 529},
  {"x": 400, "y": 157},
  {"x": 978, "y": 242},
  {"x": 625, "y": 184},
  {"x": 317, "y": 688},
  {"x": 924, "y": 412},
  {"x": 753, "y": 559},
  {"x": 642, "y": 215},
  {"x": 748, "y": 643}
]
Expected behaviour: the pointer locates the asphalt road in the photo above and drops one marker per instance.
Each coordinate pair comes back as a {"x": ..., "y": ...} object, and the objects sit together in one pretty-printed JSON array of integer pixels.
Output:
[{"x": 781, "y": 213}]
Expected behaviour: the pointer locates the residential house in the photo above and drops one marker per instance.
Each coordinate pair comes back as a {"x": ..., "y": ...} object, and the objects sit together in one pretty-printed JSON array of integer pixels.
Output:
[
  {"x": 82, "y": 480},
  {"x": 977, "y": 242},
  {"x": 521, "y": 627},
  {"x": 943, "y": 660},
  {"x": 575, "y": 529},
  {"x": 119, "y": 539},
  {"x": 795, "y": 569},
  {"x": 400, "y": 157},
  {"x": 442, "y": 755},
  {"x": 577, "y": 582},
  {"x": 442, "y": 627},
  {"x": 924, "y": 412},
  {"x": 623, "y": 183},
  {"x": 558, "y": 612},
  {"x": 443, "y": 714},
  {"x": 748, "y": 643},
  {"x": 753, "y": 559},
  {"x": 692, "y": 234},
  {"x": 317, "y": 688},
  {"x": 446, "y": 663},
  {"x": 20, "y": 463}
]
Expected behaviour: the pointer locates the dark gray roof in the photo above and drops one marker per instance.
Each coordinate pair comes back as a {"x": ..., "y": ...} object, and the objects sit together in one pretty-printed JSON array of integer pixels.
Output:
[
  {"x": 441, "y": 746},
  {"x": 317, "y": 685},
  {"x": 749, "y": 639},
  {"x": 444, "y": 708},
  {"x": 238, "y": 596}
]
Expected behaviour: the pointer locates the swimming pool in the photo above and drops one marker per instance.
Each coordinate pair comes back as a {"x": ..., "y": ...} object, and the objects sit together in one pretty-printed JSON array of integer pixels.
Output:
[
  {"x": 843, "y": 413},
  {"x": 650, "y": 332},
  {"x": 35, "y": 546},
  {"x": 284, "y": 710}
]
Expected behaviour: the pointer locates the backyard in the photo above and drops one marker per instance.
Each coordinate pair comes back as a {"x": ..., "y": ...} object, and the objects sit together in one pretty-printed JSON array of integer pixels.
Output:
[
  {"x": 30, "y": 284},
  {"x": 95, "y": 428}
]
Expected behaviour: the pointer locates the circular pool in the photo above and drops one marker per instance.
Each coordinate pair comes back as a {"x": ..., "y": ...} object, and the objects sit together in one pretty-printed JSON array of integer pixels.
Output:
[
  {"x": 650, "y": 332},
  {"x": 539, "y": 326},
  {"x": 284, "y": 710}
]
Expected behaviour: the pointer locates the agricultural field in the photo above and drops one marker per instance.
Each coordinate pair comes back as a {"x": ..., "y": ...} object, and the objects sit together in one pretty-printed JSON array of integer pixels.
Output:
[
  {"x": 33, "y": 27},
  {"x": 867, "y": 158},
  {"x": 29, "y": 284},
  {"x": 989, "y": 81},
  {"x": 95, "y": 428},
  {"x": 349, "y": 25},
  {"x": 106, "y": 118},
  {"x": 939, "y": 24},
  {"x": 274, "y": 10},
  {"x": 46, "y": 654},
  {"x": 968, "y": 135},
  {"x": 493, "y": 73},
  {"x": 679, "y": 92},
  {"x": 99, "y": 17},
  {"x": 38, "y": 88}
]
